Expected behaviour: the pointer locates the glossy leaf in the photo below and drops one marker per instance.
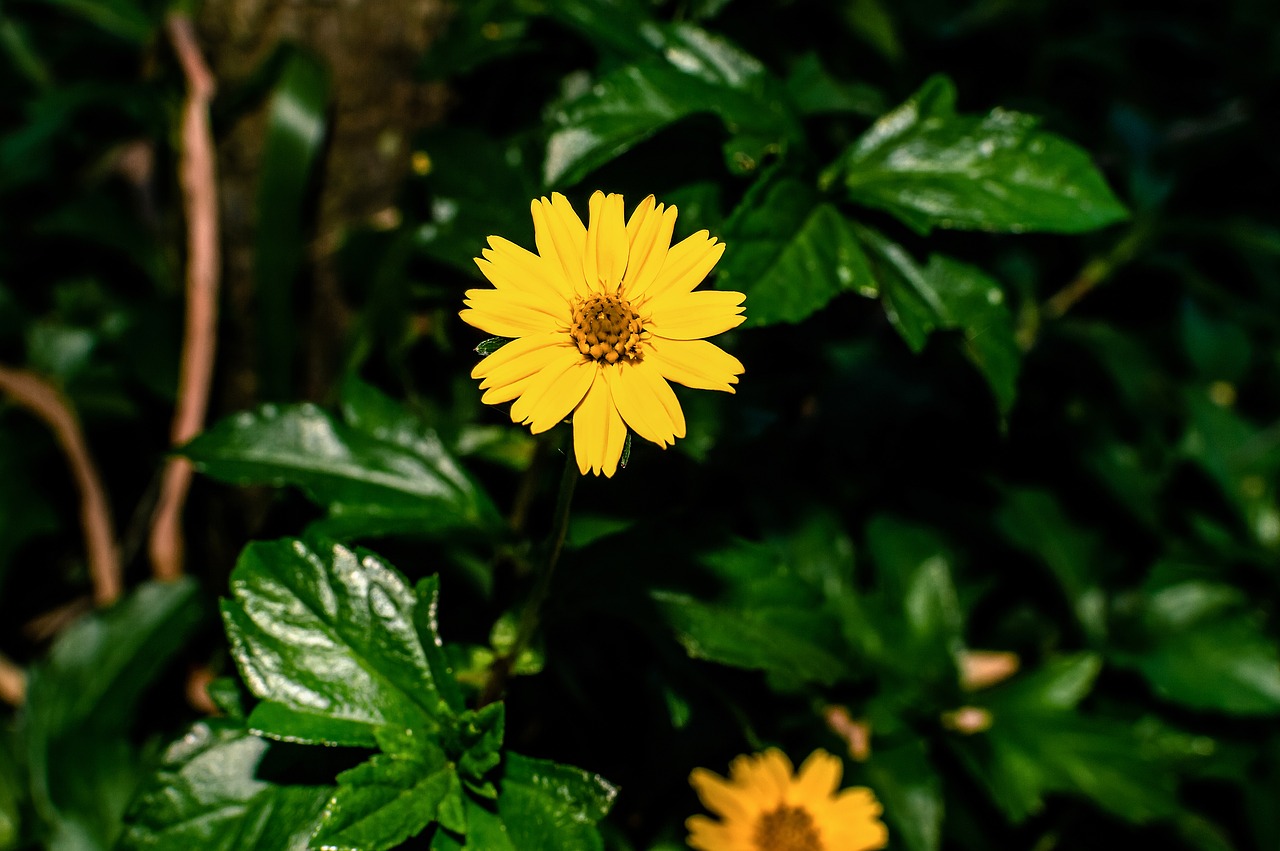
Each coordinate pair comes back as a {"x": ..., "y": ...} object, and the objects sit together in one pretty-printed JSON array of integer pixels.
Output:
[
  {"x": 388, "y": 799},
  {"x": 330, "y": 634},
  {"x": 947, "y": 294},
  {"x": 549, "y": 807},
  {"x": 377, "y": 480},
  {"x": 208, "y": 795},
  {"x": 931, "y": 167},
  {"x": 697, "y": 72},
  {"x": 790, "y": 253}
]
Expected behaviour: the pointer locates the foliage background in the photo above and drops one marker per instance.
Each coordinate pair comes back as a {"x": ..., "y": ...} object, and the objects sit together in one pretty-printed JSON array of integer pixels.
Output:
[{"x": 1060, "y": 444}]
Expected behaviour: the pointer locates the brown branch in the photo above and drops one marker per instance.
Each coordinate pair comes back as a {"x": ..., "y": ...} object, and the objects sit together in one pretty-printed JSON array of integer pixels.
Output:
[
  {"x": 41, "y": 398},
  {"x": 1098, "y": 270},
  {"x": 13, "y": 682},
  {"x": 197, "y": 177}
]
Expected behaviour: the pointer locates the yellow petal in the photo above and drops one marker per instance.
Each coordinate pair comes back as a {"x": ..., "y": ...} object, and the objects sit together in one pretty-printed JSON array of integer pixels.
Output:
[
  {"x": 707, "y": 835},
  {"x": 694, "y": 363},
  {"x": 561, "y": 237},
  {"x": 549, "y": 312},
  {"x": 818, "y": 778},
  {"x": 687, "y": 264},
  {"x": 598, "y": 431},
  {"x": 514, "y": 379},
  {"x": 649, "y": 232},
  {"x": 554, "y": 391},
  {"x": 719, "y": 795},
  {"x": 646, "y": 402},
  {"x": 505, "y": 323},
  {"x": 605, "y": 260},
  {"x": 697, "y": 315},
  {"x": 523, "y": 356},
  {"x": 514, "y": 267}
]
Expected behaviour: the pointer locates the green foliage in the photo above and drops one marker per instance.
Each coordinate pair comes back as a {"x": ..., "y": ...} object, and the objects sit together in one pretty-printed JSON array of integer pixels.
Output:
[{"x": 985, "y": 407}]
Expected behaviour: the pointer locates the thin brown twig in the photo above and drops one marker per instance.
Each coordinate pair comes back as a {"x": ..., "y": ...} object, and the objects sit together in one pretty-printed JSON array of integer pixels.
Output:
[
  {"x": 198, "y": 179},
  {"x": 41, "y": 398},
  {"x": 13, "y": 682}
]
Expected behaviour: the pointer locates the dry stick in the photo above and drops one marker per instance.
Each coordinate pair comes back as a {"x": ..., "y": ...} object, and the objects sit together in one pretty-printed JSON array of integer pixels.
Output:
[
  {"x": 13, "y": 682},
  {"x": 37, "y": 395},
  {"x": 197, "y": 176}
]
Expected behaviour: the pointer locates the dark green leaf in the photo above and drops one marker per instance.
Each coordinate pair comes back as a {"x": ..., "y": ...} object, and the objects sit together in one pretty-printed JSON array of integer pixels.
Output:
[
  {"x": 1219, "y": 349},
  {"x": 623, "y": 27},
  {"x": 388, "y": 799},
  {"x": 933, "y": 168},
  {"x": 795, "y": 645},
  {"x": 329, "y": 634},
  {"x": 491, "y": 345},
  {"x": 1203, "y": 649},
  {"x": 208, "y": 795},
  {"x": 949, "y": 294},
  {"x": 82, "y": 705},
  {"x": 790, "y": 253},
  {"x": 373, "y": 481},
  {"x": 813, "y": 91},
  {"x": 697, "y": 72},
  {"x": 911, "y": 790},
  {"x": 550, "y": 807},
  {"x": 123, "y": 18},
  {"x": 295, "y": 132}
]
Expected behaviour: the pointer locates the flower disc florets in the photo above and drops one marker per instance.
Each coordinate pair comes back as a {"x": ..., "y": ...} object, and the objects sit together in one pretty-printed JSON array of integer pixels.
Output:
[
  {"x": 787, "y": 829},
  {"x": 605, "y": 328}
]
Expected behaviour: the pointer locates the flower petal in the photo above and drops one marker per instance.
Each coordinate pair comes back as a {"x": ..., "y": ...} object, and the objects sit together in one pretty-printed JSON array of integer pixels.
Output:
[
  {"x": 521, "y": 355},
  {"x": 561, "y": 237},
  {"x": 686, "y": 265},
  {"x": 525, "y": 310},
  {"x": 605, "y": 260},
  {"x": 697, "y": 315},
  {"x": 646, "y": 402},
  {"x": 554, "y": 392},
  {"x": 722, "y": 797},
  {"x": 649, "y": 231},
  {"x": 513, "y": 267},
  {"x": 707, "y": 835},
  {"x": 598, "y": 431},
  {"x": 694, "y": 363},
  {"x": 818, "y": 778}
]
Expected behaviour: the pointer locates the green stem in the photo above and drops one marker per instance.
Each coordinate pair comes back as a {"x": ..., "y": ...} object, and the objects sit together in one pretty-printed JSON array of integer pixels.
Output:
[{"x": 502, "y": 666}]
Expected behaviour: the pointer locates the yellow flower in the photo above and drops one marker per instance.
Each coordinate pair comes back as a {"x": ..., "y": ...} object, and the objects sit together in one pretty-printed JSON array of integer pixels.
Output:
[
  {"x": 602, "y": 317},
  {"x": 763, "y": 807}
]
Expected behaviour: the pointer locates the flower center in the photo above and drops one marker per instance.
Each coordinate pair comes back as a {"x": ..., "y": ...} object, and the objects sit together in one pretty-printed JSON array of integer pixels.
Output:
[
  {"x": 787, "y": 829},
  {"x": 606, "y": 329}
]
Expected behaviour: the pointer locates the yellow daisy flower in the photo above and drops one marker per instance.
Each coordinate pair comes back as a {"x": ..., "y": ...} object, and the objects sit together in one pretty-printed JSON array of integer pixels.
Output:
[
  {"x": 602, "y": 317},
  {"x": 764, "y": 807}
]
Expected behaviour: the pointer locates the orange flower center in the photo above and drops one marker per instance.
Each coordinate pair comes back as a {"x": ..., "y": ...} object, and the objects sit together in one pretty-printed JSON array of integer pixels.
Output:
[
  {"x": 787, "y": 829},
  {"x": 606, "y": 329}
]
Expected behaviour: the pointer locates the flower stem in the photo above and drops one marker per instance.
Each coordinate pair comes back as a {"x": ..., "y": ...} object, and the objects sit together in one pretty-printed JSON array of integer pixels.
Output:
[{"x": 500, "y": 670}]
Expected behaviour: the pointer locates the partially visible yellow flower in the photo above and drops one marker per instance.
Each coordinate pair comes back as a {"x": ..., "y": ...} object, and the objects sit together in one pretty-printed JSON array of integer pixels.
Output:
[
  {"x": 602, "y": 317},
  {"x": 763, "y": 806}
]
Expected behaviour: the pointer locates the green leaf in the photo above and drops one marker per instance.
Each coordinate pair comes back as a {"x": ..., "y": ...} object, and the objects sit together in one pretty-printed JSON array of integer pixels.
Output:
[
  {"x": 388, "y": 799},
  {"x": 330, "y": 634},
  {"x": 911, "y": 790},
  {"x": 296, "y": 128},
  {"x": 624, "y": 27},
  {"x": 374, "y": 480},
  {"x": 813, "y": 91},
  {"x": 123, "y": 18},
  {"x": 82, "y": 704},
  {"x": 491, "y": 345},
  {"x": 795, "y": 645},
  {"x": 1219, "y": 349},
  {"x": 933, "y": 168},
  {"x": 790, "y": 253},
  {"x": 208, "y": 795},
  {"x": 1034, "y": 522},
  {"x": 551, "y": 807},
  {"x": 481, "y": 732},
  {"x": 915, "y": 577},
  {"x": 696, "y": 72},
  {"x": 1201, "y": 648},
  {"x": 948, "y": 294},
  {"x": 12, "y": 792}
]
